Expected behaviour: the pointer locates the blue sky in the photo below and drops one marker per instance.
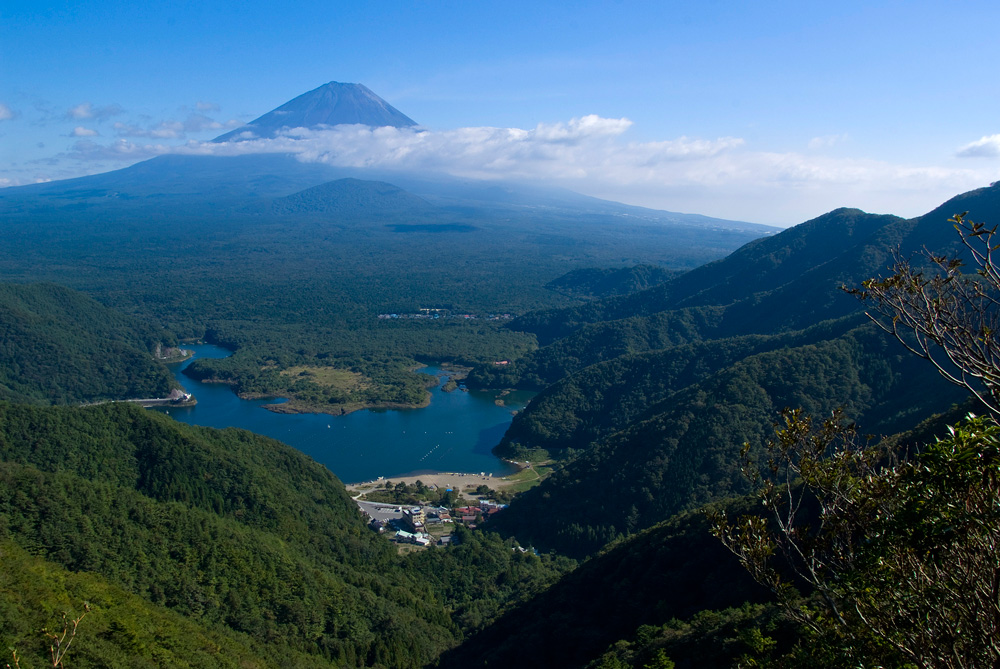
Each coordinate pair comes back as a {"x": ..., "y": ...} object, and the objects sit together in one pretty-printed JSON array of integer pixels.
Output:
[{"x": 772, "y": 112}]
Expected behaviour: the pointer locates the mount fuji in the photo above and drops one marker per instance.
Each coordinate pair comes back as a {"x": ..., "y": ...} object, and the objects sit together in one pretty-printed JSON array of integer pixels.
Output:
[{"x": 330, "y": 104}]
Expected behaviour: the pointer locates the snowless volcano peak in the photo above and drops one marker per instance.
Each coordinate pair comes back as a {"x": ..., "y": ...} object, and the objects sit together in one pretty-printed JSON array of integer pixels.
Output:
[{"x": 331, "y": 104}]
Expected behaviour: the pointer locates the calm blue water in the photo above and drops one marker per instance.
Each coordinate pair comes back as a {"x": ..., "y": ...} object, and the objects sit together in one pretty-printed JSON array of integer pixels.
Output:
[{"x": 454, "y": 434}]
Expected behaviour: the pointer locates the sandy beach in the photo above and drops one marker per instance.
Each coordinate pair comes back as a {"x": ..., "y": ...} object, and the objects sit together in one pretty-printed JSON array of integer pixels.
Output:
[{"x": 460, "y": 482}]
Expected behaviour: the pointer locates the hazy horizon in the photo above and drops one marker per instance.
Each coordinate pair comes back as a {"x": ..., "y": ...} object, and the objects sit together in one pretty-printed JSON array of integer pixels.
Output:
[{"x": 769, "y": 114}]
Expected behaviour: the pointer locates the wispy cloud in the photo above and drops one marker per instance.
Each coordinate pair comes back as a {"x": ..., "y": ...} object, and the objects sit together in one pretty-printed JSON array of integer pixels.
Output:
[
  {"x": 80, "y": 131},
  {"x": 120, "y": 150},
  {"x": 206, "y": 106},
  {"x": 985, "y": 147},
  {"x": 172, "y": 129},
  {"x": 826, "y": 141},
  {"x": 6, "y": 113},
  {"x": 161, "y": 130},
  {"x": 86, "y": 110}
]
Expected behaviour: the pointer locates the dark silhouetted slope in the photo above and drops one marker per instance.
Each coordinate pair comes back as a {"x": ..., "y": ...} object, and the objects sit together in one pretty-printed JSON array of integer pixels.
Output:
[
  {"x": 353, "y": 198},
  {"x": 671, "y": 571},
  {"x": 594, "y": 282}
]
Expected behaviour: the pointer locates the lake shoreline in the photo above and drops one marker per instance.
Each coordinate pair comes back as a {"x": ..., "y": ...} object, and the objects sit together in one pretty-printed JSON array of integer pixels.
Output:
[
  {"x": 293, "y": 406},
  {"x": 447, "y": 432}
]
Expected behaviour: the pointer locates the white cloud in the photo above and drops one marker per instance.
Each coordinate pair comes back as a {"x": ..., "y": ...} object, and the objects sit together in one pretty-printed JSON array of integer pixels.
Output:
[
  {"x": 80, "y": 131},
  {"x": 719, "y": 177},
  {"x": 206, "y": 106},
  {"x": 985, "y": 147},
  {"x": 826, "y": 141},
  {"x": 85, "y": 110},
  {"x": 6, "y": 113}
]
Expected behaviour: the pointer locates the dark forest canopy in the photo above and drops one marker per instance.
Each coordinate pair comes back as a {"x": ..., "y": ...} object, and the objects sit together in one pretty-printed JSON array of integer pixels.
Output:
[{"x": 58, "y": 346}]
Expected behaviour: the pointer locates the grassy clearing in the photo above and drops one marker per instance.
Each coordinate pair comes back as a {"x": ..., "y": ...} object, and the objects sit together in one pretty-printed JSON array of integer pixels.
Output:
[
  {"x": 530, "y": 476},
  {"x": 329, "y": 377}
]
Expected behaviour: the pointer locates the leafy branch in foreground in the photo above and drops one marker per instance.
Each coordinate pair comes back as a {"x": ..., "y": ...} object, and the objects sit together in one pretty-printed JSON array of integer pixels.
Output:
[
  {"x": 902, "y": 557},
  {"x": 946, "y": 316},
  {"x": 59, "y": 645},
  {"x": 59, "y": 641}
]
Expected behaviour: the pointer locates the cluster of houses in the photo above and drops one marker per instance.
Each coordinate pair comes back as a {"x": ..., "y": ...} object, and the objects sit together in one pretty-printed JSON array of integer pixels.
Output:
[
  {"x": 432, "y": 314},
  {"x": 411, "y": 526}
]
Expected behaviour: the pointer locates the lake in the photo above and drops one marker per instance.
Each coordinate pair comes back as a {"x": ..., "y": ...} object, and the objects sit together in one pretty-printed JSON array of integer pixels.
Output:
[{"x": 453, "y": 434}]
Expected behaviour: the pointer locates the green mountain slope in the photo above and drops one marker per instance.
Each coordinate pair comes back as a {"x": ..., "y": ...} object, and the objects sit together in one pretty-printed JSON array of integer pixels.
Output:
[
  {"x": 684, "y": 451},
  {"x": 58, "y": 346},
  {"x": 670, "y": 571},
  {"x": 777, "y": 284},
  {"x": 653, "y": 406},
  {"x": 607, "y": 396},
  {"x": 786, "y": 281},
  {"x": 672, "y": 586},
  {"x": 761, "y": 266},
  {"x": 229, "y": 529},
  {"x": 121, "y": 629}
]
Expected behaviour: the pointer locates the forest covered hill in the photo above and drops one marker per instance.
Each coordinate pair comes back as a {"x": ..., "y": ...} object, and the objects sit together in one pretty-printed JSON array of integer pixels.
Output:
[
  {"x": 649, "y": 410},
  {"x": 58, "y": 346}
]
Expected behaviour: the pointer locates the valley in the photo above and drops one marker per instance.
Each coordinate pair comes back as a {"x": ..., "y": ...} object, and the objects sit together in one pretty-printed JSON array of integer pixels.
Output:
[{"x": 411, "y": 332}]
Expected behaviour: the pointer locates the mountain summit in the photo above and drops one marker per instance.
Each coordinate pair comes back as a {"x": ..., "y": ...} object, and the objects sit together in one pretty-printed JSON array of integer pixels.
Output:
[{"x": 331, "y": 104}]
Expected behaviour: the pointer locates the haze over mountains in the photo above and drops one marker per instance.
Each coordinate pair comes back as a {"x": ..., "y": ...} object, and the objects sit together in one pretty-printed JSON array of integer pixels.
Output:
[{"x": 189, "y": 181}]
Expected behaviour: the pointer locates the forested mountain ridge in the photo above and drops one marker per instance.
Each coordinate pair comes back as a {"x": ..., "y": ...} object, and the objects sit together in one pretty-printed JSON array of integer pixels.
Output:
[
  {"x": 232, "y": 530},
  {"x": 58, "y": 346},
  {"x": 791, "y": 281},
  {"x": 684, "y": 451},
  {"x": 607, "y": 396},
  {"x": 781, "y": 283},
  {"x": 760, "y": 266},
  {"x": 781, "y": 275},
  {"x": 653, "y": 408}
]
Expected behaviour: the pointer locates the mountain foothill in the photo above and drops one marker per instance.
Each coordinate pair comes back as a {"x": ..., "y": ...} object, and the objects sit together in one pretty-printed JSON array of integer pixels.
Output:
[{"x": 658, "y": 344}]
